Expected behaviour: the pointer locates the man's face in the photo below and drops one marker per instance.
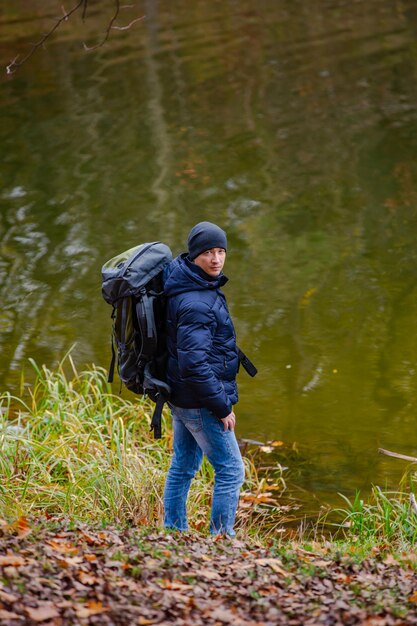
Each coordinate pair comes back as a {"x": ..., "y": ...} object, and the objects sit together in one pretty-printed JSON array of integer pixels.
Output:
[{"x": 211, "y": 261}]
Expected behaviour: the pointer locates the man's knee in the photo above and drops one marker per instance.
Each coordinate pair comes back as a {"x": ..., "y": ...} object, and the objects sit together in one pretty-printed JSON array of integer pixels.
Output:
[
  {"x": 184, "y": 470},
  {"x": 241, "y": 475},
  {"x": 231, "y": 474}
]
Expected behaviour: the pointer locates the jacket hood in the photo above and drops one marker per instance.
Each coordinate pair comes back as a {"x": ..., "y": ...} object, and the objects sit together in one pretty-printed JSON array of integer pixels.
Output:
[{"x": 183, "y": 275}]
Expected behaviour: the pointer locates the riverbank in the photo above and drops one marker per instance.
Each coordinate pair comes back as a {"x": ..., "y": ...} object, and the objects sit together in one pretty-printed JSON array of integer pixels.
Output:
[
  {"x": 81, "y": 540},
  {"x": 71, "y": 447},
  {"x": 58, "y": 573}
]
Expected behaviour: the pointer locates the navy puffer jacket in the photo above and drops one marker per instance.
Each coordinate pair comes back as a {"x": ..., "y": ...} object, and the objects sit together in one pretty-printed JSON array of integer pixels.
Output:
[{"x": 202, "y": 354}]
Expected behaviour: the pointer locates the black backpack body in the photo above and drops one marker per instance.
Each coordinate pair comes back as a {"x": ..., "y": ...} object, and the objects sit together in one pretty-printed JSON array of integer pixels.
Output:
[{"x": 132, "y": 283}]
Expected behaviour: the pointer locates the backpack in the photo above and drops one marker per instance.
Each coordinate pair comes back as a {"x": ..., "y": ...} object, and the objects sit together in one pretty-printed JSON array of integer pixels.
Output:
[{"x": 132, "y": 283}]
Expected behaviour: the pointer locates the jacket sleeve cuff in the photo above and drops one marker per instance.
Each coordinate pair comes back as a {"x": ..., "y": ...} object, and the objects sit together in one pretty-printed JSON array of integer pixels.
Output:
[{"x": 223, "y": 413}]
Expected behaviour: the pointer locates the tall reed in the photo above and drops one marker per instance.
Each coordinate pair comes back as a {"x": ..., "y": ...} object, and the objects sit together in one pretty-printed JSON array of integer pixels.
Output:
[
  {"x": 387, "y": 516},
  {"x": 71, "y": 447}
]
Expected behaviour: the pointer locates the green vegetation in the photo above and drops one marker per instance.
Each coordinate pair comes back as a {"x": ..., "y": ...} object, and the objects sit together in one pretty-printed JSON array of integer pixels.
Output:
[
  {"x": 73, "y": 448},
  {"x": 70, "y": 447},
  {"x": 388, "y": 516}
]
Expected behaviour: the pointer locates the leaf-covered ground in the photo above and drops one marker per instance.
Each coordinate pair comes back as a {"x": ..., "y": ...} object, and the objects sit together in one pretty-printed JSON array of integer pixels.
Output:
[{"x": 58, "y": 575}]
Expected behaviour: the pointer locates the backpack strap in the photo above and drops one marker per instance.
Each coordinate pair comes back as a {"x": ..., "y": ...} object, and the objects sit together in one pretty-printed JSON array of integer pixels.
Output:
[
  {"x": 160, "y": 392},
  {"x": 150, "y": 321},
  {"x": 123, "y": 324},
  {"x": 113, "y": 352},
  {"x": 145, "y": 317},
  {"x": 156, "y": 425},
  {"x": 112, "y": 363},
  {"x": 246, "y": 363}
]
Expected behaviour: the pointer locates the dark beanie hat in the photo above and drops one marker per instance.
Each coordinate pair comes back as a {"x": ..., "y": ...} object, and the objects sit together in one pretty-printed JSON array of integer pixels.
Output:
[{"x": 205, "y": 236}]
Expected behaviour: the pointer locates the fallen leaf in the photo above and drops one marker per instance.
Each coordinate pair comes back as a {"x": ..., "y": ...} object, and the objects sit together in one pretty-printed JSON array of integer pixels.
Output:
[
  {"x": 204, "y": 572},
  {"x": 238, "y": 565},
  {"x": 150, "y": 562},
  {"x": 209, "y": 574},
  {"x": 20, "y": 526},
  {"x": 322, "y": 563},
  {"x": 413, "y": 597},
  {"x": 42, "y": 613},
  {"x": 11, "y": 559},
  {"x": 9, "y": 615},
  {"x": 103, "y": 537},
  {"x": 90, "y": 608},
  {"x": 69, "y": 561},
  {"x": 114, "y": 563},
  {"x": 390, "y": 560},
  {"x": 257, "y": 497},
  {"x": 218, "y": 538},
  {"x": 64, "y": 604},
  {"x": 199, "y": 524},
  {"x": 344, "y": 578},
  {"x": 175, "y": 585},
  {"x": 274, "y": 564},
  {"x": 23, "y": 527},
  {"x": 166, "y": 553},
  {"x": 87, "y": 579},
  {"x": 223, "y": 615},
  {"x": 11, "y": 572},
  {"x": 267, "y": 591},
  {"x": 63, "y": 547},
  {"x": 7, "y": 597},
  {"x": 89, "y": 538}
]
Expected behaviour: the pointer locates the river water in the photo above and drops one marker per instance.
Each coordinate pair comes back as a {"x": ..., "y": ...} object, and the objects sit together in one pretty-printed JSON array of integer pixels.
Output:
[{"x": 293, "y": 126}]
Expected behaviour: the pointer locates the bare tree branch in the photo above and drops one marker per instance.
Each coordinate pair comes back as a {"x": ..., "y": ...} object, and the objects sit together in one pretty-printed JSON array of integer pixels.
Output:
[
  {"x": 108, "y": 29},
  {"x": 138, "y": 19},
  {"x": 396, "y": 455},
  {"x": 13, "y": 65},
  {"x": 16, "y": 63},
  {"x": 85, "y": 9}
]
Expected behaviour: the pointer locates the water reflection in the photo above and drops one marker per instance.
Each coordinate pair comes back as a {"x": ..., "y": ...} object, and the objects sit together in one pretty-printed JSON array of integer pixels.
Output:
[{"x": 295, "y": 129}]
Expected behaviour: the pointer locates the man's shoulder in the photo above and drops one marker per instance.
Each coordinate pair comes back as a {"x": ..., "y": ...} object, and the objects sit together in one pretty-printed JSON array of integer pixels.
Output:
[{"x": 201, "y": 301}]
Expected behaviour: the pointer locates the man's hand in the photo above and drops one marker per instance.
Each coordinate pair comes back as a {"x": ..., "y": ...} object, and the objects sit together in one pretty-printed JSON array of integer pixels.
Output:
[{"x": 229, "y": 421}]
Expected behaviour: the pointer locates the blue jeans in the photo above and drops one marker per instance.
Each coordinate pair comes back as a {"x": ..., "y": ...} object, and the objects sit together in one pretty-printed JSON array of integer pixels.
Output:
[{"x": 198, "y": 431}]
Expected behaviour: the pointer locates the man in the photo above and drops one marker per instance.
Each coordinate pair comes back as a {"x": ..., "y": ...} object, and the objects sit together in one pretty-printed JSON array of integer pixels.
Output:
[{"x": 201, "y": 371}]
